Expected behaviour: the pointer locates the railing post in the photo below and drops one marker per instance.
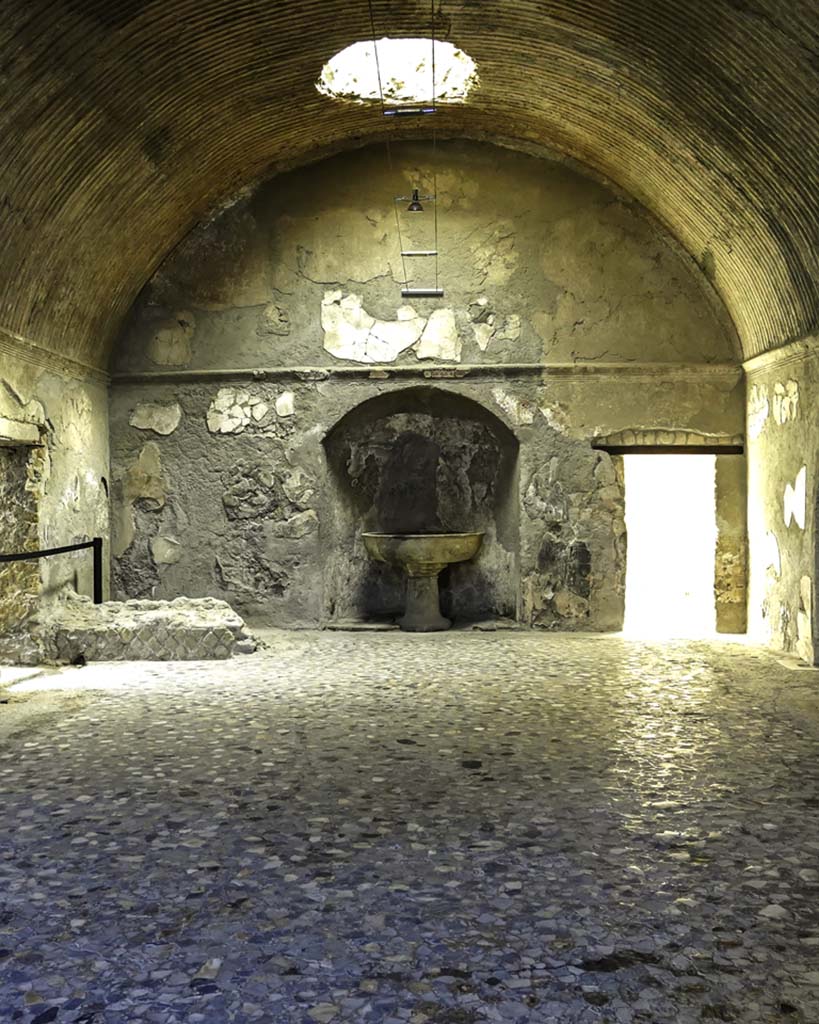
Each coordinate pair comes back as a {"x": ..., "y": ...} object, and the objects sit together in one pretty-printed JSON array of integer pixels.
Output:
[{"x": 97, "y": 546}]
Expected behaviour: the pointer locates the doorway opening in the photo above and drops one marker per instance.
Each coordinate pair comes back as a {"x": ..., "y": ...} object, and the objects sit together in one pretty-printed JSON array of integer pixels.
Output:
[{"x": 672, "y": 535}]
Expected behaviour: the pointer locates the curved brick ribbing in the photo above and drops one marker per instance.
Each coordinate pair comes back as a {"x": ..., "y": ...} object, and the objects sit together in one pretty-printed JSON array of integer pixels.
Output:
[{"x": 123, "y": 121}]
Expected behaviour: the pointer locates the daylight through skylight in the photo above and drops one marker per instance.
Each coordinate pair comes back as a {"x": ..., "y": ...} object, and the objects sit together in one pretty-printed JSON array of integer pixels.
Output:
[{"x": 406, "y": 72}]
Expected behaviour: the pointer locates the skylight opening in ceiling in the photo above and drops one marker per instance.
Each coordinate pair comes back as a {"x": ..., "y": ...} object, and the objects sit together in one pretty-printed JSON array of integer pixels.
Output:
[{"x": 406, "y": 69}]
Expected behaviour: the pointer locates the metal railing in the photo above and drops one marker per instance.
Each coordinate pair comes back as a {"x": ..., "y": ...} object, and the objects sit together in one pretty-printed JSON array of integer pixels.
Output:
[{"x": 95, "y": 543}]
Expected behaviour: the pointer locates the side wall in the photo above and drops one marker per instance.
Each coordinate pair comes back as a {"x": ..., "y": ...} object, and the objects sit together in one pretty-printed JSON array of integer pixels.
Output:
[
  {"x": 731, "y": 555},
  {"x": 783, "y": 427},
  {"x": 566, "y": 314},
  {"x": 61, "y": 420}
]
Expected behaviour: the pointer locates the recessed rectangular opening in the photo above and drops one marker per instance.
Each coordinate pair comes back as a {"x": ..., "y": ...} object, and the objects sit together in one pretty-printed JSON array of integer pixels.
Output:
[{"x": 672, "y": 534}]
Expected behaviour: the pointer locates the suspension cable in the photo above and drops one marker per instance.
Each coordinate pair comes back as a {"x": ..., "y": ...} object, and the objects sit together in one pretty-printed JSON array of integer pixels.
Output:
[
  {"x": 434, "y": 148},
  {"x": 375, "y": 51}
]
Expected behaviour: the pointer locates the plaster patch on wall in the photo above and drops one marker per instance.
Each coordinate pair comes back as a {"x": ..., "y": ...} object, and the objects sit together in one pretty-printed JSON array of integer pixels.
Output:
[
  {"x": 556, "y": 417},
  {"x": 166, "y": 550},
  {"x": 143, "y": 481},
  {"x": 156, "y": 416},
  {"x": 275, "y": 320},
  {"x": 285, "y": 404},
  {"x": 351, "y": 333},
  {"x": 483, "y": 321},
  {"x": 300, "y": 525},
  {"x": 785, "y": 401},
  {"x": 483, "y": 335},
  {"x": 170, "y": 344},
  {"x": 510, "y": 329},
  {"x": 233, "y": 409},
  {"x": 758, "y": 410},
  {"x": 440, "y": 338},
  {"x": 770, "y": 554},
  {"x": 520, "y": 413},
  {"x": 795, "y": 499},
  {"x": 804, "y": 619}
]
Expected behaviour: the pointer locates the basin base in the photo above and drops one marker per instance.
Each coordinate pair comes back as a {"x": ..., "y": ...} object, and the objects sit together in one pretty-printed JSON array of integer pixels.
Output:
[
  {"x": 423, "y": 610},
  {"x": 422, "y": 556}
]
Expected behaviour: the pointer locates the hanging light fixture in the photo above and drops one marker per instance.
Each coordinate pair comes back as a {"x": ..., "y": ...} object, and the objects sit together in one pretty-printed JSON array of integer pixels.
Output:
[{"x": 415, "y": 203}]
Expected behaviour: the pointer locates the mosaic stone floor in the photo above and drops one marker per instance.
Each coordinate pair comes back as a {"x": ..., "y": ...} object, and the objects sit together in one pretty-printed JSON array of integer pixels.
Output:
[{"x": 439, "y": 829}]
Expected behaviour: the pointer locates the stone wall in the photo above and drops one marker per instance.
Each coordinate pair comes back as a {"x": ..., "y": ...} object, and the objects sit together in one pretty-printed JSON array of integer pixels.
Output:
[
  {"x": 61, "y": 415},
  {"x": 19, "y": 581},
  {"x": 567, "y": 317},
  {"x": 257, "y": 515},
  {"x": 783, "y": 424}
]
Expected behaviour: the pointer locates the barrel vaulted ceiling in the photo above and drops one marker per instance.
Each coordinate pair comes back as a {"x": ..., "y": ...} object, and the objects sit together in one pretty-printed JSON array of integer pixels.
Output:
[{"x": 122, "y": 122}]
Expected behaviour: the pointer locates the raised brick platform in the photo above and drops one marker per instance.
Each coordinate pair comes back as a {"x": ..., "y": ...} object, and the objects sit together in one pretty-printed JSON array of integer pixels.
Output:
[{"x": 186, "y": 629}]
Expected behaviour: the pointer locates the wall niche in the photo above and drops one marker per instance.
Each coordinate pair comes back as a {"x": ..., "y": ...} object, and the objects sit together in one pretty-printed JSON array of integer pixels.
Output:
[{"x": 421, "y": 460}]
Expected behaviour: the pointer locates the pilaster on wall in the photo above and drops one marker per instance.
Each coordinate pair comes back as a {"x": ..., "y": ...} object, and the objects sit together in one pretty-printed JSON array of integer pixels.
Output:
[
  {"x": 783, "y": 469},
  {"x": 730, "y": 569}
]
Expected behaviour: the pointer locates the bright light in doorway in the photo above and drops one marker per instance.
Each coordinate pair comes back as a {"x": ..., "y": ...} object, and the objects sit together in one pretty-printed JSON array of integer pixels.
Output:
[
  {"x": 406, "y": 72},
  {"x": 672, "y": 536}
]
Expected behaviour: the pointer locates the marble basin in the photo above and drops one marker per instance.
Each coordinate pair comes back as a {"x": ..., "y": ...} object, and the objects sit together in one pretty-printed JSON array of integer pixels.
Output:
[{"x": 422, "y": 556}]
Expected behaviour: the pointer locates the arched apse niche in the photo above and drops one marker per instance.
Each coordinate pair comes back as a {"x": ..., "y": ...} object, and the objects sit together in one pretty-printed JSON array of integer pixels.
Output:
[
  {"x": 421, "y": 460},
  {"x": 566, "y": 312}
]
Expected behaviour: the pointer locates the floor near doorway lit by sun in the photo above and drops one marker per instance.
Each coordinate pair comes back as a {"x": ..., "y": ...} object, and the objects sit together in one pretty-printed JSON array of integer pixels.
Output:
[{"x": 449, "y": 828}]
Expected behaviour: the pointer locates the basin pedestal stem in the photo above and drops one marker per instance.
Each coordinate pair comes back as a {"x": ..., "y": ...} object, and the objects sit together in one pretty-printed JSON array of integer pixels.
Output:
[{"x": 423, "y": 608}]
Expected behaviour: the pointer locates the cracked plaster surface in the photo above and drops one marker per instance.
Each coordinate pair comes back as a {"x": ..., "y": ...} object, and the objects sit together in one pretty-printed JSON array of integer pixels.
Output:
[
  {"x": 350, "y": 332},
  {"x": 566, "y": 271},
  {"x": 234, "y": 409}
]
